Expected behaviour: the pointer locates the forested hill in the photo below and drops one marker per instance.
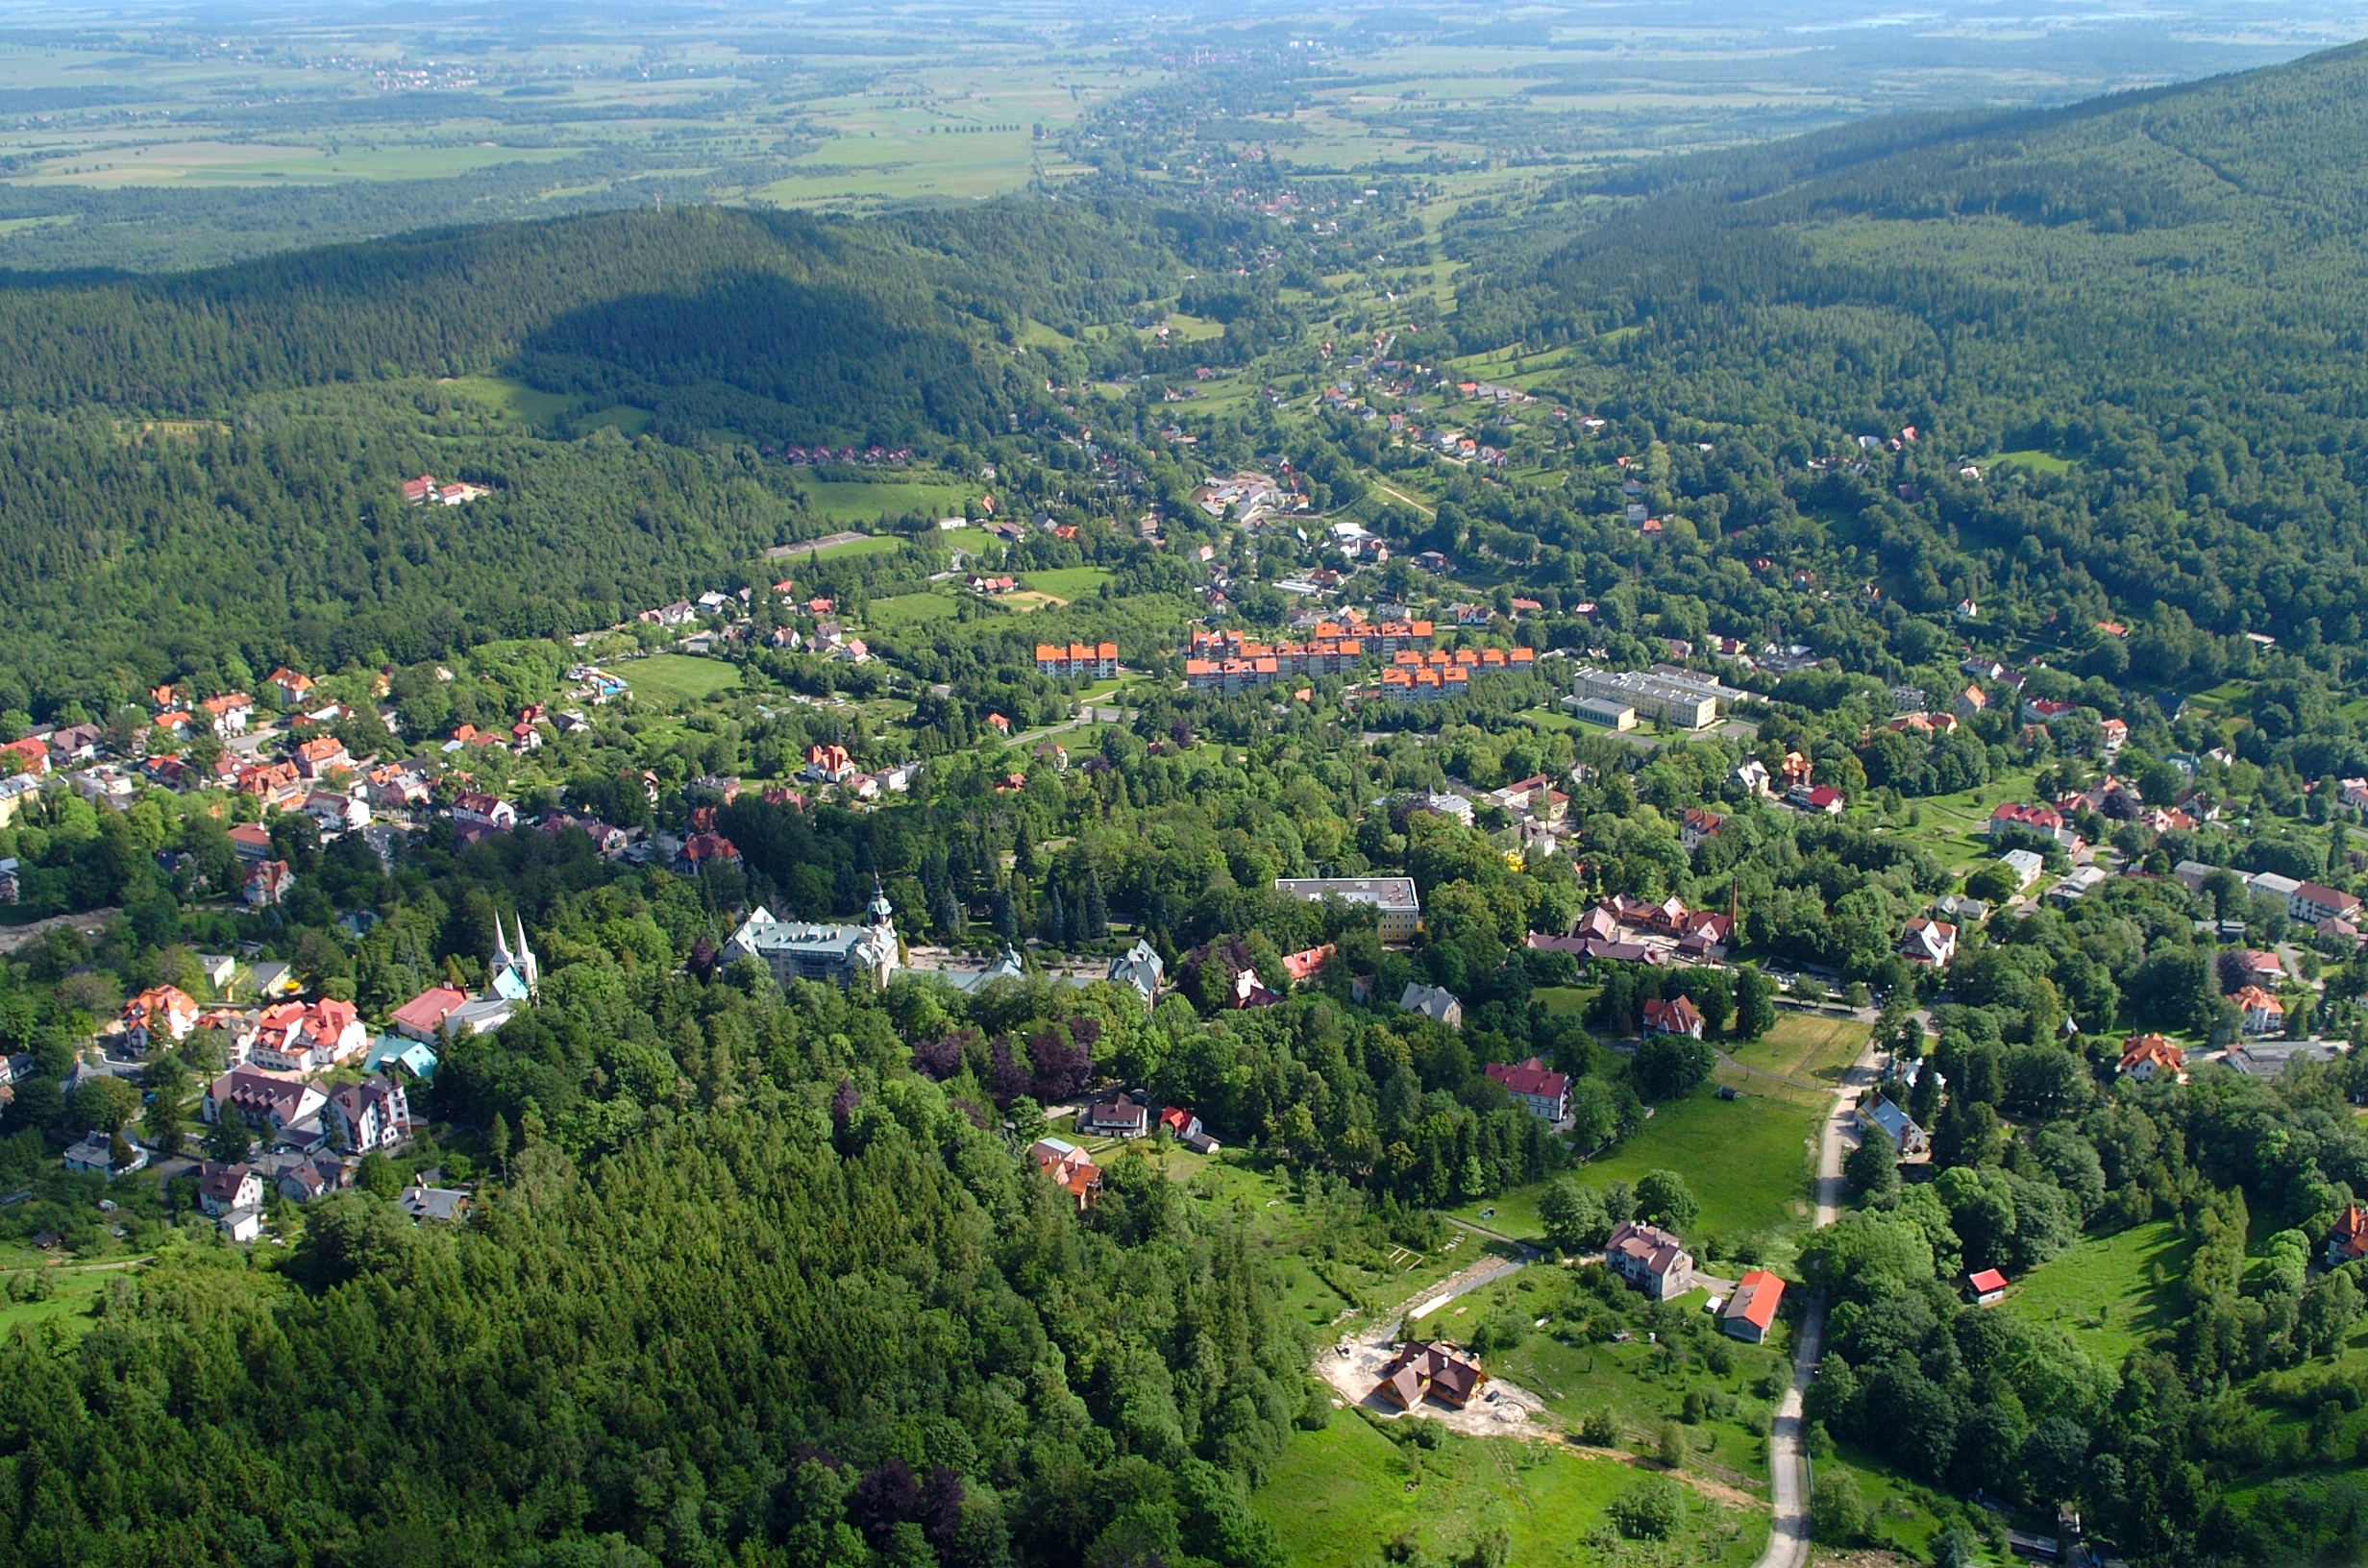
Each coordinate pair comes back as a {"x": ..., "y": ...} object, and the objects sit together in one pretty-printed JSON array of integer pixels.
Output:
[
  {"x": 2165, "y": 290},
  {"x": 214, "y": 461},
  {"x": 878, "y": 315}
]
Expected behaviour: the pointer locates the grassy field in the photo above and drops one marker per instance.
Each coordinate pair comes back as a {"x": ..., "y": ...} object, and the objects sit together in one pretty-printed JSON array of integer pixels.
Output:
[
  {"x": 676, "y": 680},
  {"x": 1747, "y": 1160},
  {"x": 1068, "y": 582},
  {"x": 1952, "y": 825},
  {"x": 1808, "y": 1047},
  {"x": 1576, "y": 1367},
  {"x": 2043, "y": 462},
  {"x": 1560, "y": 1000},
  {"x": 1339, "y": 1495},
  {"x": 2109, "y": 1292},
  {"x": 900, "y": 611},
  {"x": 71, "y": 1294},
  {"x": 851, "y": 501}
]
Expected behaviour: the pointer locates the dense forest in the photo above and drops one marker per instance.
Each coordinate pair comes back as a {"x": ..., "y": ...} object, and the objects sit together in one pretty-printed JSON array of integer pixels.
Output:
[{"x": 2158, "y": 294}]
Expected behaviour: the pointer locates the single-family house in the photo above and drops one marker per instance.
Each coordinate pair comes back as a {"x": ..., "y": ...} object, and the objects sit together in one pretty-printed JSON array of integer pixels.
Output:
[
  {"x": 95, "y": 1155},
  {"x": 1069, "y": 1166},
  {"x": 290, "y": 687},
  {"x": 1434, "y": 1002},
  {"x": 1139, "y": 967},
  {"x": 1675, "y": 1016},
  {"x": 1652, "y": 1259},
  {"x": 268, "y": 882},
  {"x": 1879, "y": 1117},
  {"x": 241, "y": 1224},
  {"x": 477, "y": 809},
  {"x": 1306, "y": 964},
  {"x": 1122, "y": 1116},
  {"x": 421, "y": 1201},
  {"x": 1750, "y": 1310},
  {"x": 2348, "y": 1241},
  {"x": 1184, "y": 1127},
  {"x": 165, "y": 1010}
]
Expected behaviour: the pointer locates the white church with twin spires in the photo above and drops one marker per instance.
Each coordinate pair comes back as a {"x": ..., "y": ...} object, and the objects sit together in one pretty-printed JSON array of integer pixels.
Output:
[{"x": 517, "y": 977}]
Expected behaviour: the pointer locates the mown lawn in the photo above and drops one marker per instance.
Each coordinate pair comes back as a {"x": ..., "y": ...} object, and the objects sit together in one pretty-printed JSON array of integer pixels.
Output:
[
  {"x": 1339, "y": 1495},
  {"x": 2107, "y": 1292},
  {"x": 676, "y": 680},
  {"x": 1747, "y": 1160}
]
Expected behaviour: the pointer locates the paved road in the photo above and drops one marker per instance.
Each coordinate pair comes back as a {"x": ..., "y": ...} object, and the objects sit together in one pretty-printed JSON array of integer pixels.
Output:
[{"x": 1788, "y": 1545}]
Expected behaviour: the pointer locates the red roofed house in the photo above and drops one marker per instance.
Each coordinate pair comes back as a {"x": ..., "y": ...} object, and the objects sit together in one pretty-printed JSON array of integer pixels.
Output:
[
  {"x": 272, "y": 1103},
  {"x": 229, "y": 711},
  {"x": 1989, "y": 1288},
  {"x": 1751, "y": 1311},
  {"x": 1547, "y": 1093},
  {"x": 2265, "y": 1014},
  {"x": 30, "y": 755},
  {"x": 1672, "y": 1017},
  {"x": 1305, "y": 965},
  {"x": 251, "y": 840},
  {"x": 2348, "y": 1241},
  {"x": 2312, "y": 903},
  {"x": 1651, "y": 1259},
  {"x": 308, "y": 1036},
  {"x": 419, "y": 491},
  {"x": 1068, "y": 1165},
  {"x": 165, "y": 1010},
  {"x": 268, "y": 882},
  {"x": 290, "y": 686},
  {"x": 2144, "y": 1058},
  {"x": 423, "y": 1017}
]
